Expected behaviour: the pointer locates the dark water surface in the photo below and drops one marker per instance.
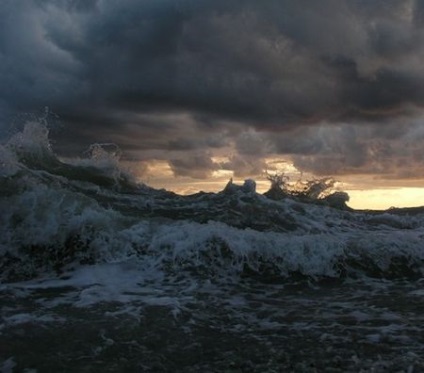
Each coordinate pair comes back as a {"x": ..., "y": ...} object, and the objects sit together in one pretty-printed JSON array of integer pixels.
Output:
[{"x": 374, "y": 326}]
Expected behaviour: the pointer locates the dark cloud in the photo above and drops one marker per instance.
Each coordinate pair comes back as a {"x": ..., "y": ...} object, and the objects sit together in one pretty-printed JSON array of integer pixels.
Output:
[
  {"x": 253, "y": 144},
  {"x": 197, "y": 166},
  {"x": 244, "y": 166},
  {"x": 394, "y": 151},
  {"x": 321, "y": 81}
]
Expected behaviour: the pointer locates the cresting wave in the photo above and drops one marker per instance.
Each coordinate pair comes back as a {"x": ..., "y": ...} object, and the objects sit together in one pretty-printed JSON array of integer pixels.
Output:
[{"x": 57, "y": 215}]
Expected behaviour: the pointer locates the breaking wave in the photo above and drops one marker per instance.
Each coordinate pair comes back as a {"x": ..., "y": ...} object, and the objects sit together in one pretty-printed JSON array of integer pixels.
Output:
[{"x": 58, "y": 215}]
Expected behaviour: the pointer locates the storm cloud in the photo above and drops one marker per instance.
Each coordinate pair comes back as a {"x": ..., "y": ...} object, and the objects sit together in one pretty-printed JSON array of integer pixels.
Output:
[{"x": 336, "y": 85}]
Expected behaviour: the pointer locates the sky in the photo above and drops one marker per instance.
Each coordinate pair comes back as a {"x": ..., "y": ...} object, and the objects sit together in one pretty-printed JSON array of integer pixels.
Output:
[{"x": 197, "y": 91}]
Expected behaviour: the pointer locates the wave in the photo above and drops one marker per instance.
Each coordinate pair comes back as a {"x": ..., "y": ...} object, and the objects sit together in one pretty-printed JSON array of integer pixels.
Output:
[{"x": 56, "y": 215}]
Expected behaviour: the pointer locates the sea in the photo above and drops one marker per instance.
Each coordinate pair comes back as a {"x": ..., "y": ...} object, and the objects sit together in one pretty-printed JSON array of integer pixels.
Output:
[{"x": 101, "y": 273}]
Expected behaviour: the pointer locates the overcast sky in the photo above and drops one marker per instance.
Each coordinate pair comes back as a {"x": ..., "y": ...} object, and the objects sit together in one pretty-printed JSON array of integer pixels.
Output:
[{"x": 335, "y": 86}]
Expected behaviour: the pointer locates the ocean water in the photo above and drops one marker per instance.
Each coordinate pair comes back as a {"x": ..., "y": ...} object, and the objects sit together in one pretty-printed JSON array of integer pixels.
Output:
[{"x": 99, "y": 273}]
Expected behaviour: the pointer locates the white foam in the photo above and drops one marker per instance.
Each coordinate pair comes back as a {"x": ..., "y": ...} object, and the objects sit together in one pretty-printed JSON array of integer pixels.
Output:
[
  {"x": 24, "y": 318},
  {"x": 8, "y": 365}
]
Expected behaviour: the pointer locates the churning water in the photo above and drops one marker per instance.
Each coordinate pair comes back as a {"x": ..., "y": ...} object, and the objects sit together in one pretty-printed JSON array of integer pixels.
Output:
[{"x": 102, "y": 274}]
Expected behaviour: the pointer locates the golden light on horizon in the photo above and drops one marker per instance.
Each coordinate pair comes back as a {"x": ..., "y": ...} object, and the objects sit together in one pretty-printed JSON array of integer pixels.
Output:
[
  {"x": 382, "y": 199},
  {"x": 365, "y": 192}
]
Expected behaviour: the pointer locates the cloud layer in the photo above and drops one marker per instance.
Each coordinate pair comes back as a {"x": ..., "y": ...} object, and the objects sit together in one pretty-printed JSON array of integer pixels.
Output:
[{"x": 336, "y": 85}]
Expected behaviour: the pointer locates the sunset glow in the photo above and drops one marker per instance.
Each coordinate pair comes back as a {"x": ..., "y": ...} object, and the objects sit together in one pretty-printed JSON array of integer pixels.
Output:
[
  {"x": 377, "y": 199},
  {"x": 363, "y": 192},
  {"x": 382, "y": 199}
]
